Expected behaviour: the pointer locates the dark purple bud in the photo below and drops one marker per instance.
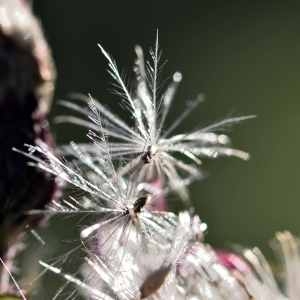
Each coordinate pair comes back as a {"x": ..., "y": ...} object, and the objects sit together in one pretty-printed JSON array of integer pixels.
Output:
[{"x": 27, "y": 76}]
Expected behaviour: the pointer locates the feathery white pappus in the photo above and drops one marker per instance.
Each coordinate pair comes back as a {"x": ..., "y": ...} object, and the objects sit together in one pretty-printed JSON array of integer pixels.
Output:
[
  {"x": 133, "y": 251},
  {"x": 150, "y": 148},
  {"x": 118, "y": 204}
]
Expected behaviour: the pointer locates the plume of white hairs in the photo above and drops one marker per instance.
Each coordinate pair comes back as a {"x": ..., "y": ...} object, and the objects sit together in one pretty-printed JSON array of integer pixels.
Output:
[
  {"x": 134, "y": 248},
  {"x": 147, "y": 145}
]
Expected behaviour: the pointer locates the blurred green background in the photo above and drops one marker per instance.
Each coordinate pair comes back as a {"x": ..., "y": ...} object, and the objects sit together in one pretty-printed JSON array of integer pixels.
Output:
[{"x": 243, "y": 55}]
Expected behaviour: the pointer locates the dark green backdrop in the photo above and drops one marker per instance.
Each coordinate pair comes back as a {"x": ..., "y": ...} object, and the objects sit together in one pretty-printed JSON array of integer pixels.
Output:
[{"x": 244, "y": 56}]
